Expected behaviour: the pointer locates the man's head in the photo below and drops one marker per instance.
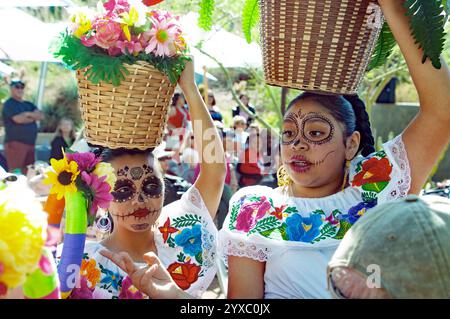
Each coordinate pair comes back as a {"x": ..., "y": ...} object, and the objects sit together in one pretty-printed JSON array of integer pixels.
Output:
[
  {"x": 17, "y": 89},
  {"x": 399, "y": 249}
]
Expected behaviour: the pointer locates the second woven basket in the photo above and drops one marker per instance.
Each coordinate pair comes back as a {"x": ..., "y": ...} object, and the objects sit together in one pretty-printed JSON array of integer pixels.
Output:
[
  {"x": 318, "y": 45},
  {"x": 132, "y": 115}
]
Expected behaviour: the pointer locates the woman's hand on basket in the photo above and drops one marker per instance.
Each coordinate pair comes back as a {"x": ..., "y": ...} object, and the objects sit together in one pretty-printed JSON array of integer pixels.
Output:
[
  {"x": 187, "y": 78},
  {"x": 153, "y": 280}
]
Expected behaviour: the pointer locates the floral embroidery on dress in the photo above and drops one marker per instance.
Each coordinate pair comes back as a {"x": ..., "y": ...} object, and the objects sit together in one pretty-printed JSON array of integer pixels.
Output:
[
  {"x": 185, "y": 233},
  {"x": 128, "y": 291},
  {"x": 253, "y": 214},
  {"x": 110, "y": 280}
]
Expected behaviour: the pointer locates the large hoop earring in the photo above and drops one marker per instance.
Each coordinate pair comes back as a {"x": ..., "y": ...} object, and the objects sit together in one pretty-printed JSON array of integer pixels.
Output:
[
  {"x": 104, "y": 224},
  {"x": 283, "y": 177},
  {"x": 346, "y": 170}
]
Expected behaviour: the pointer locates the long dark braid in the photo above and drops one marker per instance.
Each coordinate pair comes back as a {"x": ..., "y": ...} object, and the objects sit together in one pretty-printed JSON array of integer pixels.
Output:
[{"x": 367, "y": 143}]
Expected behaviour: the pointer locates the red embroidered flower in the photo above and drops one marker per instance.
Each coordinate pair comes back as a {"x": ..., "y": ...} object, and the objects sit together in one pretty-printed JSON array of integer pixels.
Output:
[
  {"x": 278, "y": 213},
  {"x": 166, "y": 230},
  {"x": 184, "y": 274},
  {"x": 373, "y": 170}
]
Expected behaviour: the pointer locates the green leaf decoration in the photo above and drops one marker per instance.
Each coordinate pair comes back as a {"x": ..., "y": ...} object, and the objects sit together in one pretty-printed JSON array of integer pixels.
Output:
[
  {"x": 234, "y": 214},
  {"x": 199, "y": 258},
  {"x": 186, "y": 221},
  {"x": 319, "y": 211},
  {"x": 369, "y": 196},
  {"x": 336, "y": 213},
  {"x": 383, "y": 48},
  {"x": 344, "y": 227},
  {"x": 265, "y": 224},
  {"x": 171, "y": 242},
  {"x": 327, "y": 231},
  {"x": 271, "y": 202},
  {"x": 427, "y": 26},
  {"x": 254, "y": 199},
  {"x": 290, "y": 210},
  {"x": 375, "y": 187},
  {"x": 181, "y": 257},
  {"x": 100, "y": 67},
  {"x": 205, "y": 14},
  {"x": 380, "y": 154},
  {"x": 250, "y": 18}
]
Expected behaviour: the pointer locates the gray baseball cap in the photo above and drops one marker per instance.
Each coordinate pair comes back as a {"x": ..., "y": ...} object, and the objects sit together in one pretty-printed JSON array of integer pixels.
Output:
[{"x": 408, "y": 240}]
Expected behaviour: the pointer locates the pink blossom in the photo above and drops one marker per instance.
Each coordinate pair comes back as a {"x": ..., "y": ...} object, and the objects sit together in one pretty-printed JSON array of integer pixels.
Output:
[
  {"x": 88, "y": 41},
  {"x": 116, "y": 7},
  {"x": 101, "y": 190},
  {"x": 86, "y": 161},
  {"x": 114, "y": 51},
  {"x": 161, "y": 38},
  {"x": 107, "y": 33},
  {"x": 250, "y": 213},
  {"x": 130, "y": 47}
]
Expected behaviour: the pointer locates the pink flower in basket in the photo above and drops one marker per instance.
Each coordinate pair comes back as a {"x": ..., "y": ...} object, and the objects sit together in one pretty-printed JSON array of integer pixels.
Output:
[
  {"x": 162, "y": 37},
  {"x": 116, "y": 7},
  {"x": 130, "y": 47},
  {"x": 107, "y": 33}
]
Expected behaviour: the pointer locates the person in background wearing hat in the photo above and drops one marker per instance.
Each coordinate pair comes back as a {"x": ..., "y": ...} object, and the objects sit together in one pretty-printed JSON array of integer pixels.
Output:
[
  {"x": 400, "y": 249},
  {"x": 20, "y": 117}
]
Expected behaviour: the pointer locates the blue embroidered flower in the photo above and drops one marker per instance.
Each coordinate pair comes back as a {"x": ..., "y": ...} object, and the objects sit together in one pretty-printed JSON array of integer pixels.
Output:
[
  {"x": 357, "y": 211},
  {"x": 111, "y": 278},
  {"x": 191, "y": 240},
  {"x": 303, "y": 229}
]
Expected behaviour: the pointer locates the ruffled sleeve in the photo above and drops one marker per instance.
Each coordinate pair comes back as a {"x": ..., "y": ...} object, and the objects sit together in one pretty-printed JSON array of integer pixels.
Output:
[
  {"x": 251, "y": 212},
  {"x": 186, "y": 241},
  {"x": 384, "y": 175}
]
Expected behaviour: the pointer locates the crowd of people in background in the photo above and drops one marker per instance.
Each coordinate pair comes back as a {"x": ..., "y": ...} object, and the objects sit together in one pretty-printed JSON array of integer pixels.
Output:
[{"x": 249, "y": 150}]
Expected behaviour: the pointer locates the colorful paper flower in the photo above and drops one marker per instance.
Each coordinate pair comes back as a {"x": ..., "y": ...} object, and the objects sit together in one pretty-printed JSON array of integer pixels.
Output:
[
  {"x": 184, "y": 274},
  {"x": 191, "y": 240},
  {"x": 166, "y": 230},
  {"x": 303, "y": 229},
  {"x": 86, "y": 161},
  {"x": 22, "y": 235},
  {"x": 107, "y": 33},
  {"x": 374, "y": 170},
  {"x": 106, "y": 169},
  {"x": 63, "y": 178},
  {"x": 100, "y": 189},
  {"x": 250, "y": 213}
]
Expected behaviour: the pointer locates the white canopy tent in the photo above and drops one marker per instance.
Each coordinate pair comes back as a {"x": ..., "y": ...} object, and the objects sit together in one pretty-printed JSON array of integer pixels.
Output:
[{"x": 230, "y": 49}]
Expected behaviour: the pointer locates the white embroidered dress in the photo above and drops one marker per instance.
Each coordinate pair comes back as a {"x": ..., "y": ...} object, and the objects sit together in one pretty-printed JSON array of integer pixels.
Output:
[
  {"x": 296, "y": 237},
  {"x": 185, "y": 239}
]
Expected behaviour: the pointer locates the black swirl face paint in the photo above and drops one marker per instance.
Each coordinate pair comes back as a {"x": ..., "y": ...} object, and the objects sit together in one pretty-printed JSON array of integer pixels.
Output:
[
  {"x": 136, "y": 173},
  {"x": 317, "y": 129},
  {"x": 314, "y": 128}
]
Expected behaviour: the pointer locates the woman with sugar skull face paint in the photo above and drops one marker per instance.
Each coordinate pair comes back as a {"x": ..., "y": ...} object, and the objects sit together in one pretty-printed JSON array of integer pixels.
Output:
[
  {"x": 155, "y": 251},
  {"x": 278, "y": 242}
]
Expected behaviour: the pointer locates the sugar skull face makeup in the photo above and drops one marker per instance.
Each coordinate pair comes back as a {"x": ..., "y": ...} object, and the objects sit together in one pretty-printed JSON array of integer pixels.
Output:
[
  {"x": 312, "y": 145},
  {"x": 138, "y": 192}
]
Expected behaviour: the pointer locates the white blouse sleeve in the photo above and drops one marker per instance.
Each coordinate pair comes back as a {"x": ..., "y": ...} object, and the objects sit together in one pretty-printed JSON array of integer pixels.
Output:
[
  {"x": 384, "y": 175},
  {"x": 186, "y": 240},
  {"x": 237, "y": 237}
]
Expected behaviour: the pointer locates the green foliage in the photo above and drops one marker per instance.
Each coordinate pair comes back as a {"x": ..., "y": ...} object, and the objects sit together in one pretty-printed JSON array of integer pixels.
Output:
[
  {"x": 383, "y": 48},
  {"x": 234, "y": 214},
  {"x": 171, "y": 242},
  {"x": 265, "y": 225},
  {"x": 205, "y": 14},
  {"x": 250, "y": 18},
  {"x": 427, "y": 26},
  {"x": 186, "y": 220},
  {"x": 99, "y": 66},
  {"x": 375, "y": 187},
  {"x": 181, "y": 257},
  {"x": 344, "y": 227}
]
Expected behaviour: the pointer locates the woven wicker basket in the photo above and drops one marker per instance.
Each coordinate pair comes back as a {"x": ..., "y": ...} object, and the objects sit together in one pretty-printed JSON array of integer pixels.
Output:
[
  {"x": 318, "y": 45},
  {"x": 132, "y": 115}
]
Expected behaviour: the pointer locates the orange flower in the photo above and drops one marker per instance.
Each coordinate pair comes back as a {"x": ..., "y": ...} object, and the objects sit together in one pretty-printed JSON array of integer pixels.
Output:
[
  {"x": 373, "y": 170},
  {"x": 278, "y": 213},
  {"x": 89, "y": 270},
  {"x": 184, "y": 274},
  {"x": 166, "y": 230}
]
